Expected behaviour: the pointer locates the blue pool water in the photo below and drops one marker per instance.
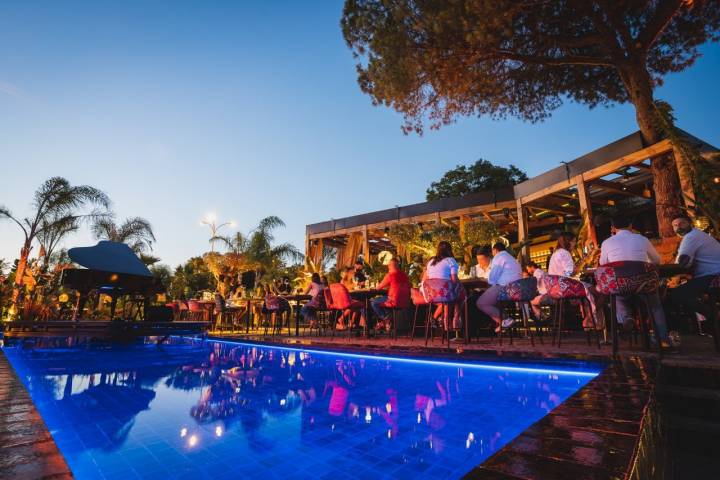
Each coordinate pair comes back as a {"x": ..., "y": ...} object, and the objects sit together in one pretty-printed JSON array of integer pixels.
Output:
[{"x": 223, "y": 410}]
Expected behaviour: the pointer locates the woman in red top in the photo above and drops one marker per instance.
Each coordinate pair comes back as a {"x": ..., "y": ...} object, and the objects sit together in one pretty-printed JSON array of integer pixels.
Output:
[{"x": 398, "y": 287}]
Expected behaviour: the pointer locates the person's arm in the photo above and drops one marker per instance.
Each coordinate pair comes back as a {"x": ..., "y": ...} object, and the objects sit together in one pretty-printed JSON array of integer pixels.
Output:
[
  {"x": 652, "y": 253},
  {"x": 385, "y": 283},
  {"x": 686, "y": 252},
  {"x": 495, "y": 272},
  {"x": 454, "y": 268},
  {"x": 603, "y": 255}
]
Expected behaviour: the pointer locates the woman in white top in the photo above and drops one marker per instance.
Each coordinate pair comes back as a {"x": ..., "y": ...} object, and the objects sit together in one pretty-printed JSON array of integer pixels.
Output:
[
  {"x": 444, "y": 266},
  {"x": 561, "y": 263}
]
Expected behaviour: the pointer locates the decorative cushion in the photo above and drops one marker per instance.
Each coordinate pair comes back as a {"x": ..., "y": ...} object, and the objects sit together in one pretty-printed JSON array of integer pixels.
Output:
[
  {"x": 558, "y": 286},
  {"x": 522, "y": 290},
  {"x": 440, "y": 290},
  {"x": 627, "y": 278},
  {"x": 272, "y": 302}
]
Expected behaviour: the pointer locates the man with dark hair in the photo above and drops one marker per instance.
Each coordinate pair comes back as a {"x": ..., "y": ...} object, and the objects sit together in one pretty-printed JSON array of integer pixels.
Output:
[
  {"x": 701, "y": 253},
  {"x": 359, "y": 275},
  {"x": 626, "y": 246},
  {"x": 483, "y": 255},
  {"x": 499, "y": 246}
]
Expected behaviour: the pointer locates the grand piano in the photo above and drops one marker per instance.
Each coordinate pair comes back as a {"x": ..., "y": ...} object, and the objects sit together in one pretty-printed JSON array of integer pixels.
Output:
[{"x": 111, "y": 268}]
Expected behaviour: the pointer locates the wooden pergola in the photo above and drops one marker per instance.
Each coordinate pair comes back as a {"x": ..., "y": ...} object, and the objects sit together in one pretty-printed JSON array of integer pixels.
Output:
[{"x": 618, "y": 172}]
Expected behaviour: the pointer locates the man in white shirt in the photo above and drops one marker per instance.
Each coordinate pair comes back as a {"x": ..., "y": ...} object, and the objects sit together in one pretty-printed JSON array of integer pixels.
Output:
[
  {"x": 483, "y": 255},
  {"x": 504, "y": 269},
  {"x": 700, "y": 252},
  {"x": 626, "y": 246}
]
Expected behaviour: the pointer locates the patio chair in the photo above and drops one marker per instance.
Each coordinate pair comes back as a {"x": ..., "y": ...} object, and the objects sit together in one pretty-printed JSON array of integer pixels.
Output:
[
  {"x": 563, "y": 291},
  {"x": 342, "y": 304},
  {"x": 518, "y": 294},
  {"x": 714, "y": 294}
]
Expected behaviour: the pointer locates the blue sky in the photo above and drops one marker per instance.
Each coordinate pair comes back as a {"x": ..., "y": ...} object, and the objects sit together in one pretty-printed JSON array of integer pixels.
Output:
[{"x": 247, "y": 109}]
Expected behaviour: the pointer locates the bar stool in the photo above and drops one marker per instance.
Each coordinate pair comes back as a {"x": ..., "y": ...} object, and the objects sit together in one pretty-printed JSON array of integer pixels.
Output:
[
  {"x": 397, "y": 306},
  {"x": 438, "y": 291},
  {"x": 419, "y": 301},
  {"x": 562, "y": 290},
  {"x": 632, "y": 279},
  {"x": 518, "y": 293}
]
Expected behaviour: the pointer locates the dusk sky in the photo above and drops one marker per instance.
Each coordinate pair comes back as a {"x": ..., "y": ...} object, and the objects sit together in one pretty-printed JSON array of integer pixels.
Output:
[{"x": 246, "y": 109}]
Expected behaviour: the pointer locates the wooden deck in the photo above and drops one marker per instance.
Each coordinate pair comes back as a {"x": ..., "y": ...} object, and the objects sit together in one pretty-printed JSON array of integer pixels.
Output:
[{"x": 101, "y": 329}]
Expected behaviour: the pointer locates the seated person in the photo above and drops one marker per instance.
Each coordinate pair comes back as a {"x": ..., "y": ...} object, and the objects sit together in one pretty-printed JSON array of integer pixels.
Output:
[
  {"x": 626, "y": 246},
  {"x": 315, "y": 290},
  {"x": 481, "y": 269},
  {"x": 504, "y": 269},
  {"x": 348, "y": 278},
  {"x": 701, "y": 253},
  {"x": 359, "y": 275},
  {"x": 443, "y": 266},
  {"x": 398, "y": 286},
  {"x": 561, "y": 263}
]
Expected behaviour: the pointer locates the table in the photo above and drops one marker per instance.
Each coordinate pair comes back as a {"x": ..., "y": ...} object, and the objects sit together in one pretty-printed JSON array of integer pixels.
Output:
[
  {"x": 297, "y": 298},
  {"x": 470, "y": 284},
  {"x": 364, "y": 296}
]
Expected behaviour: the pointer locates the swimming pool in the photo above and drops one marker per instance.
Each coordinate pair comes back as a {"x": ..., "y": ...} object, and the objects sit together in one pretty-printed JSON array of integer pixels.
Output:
[{"x": 215, "y": 409}]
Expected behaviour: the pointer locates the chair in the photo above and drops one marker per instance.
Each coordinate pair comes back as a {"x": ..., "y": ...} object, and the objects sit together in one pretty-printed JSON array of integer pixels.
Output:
[
  {"x": 273, "y": 312},
  {"x": 563, "y": 290},
  {"x": 342, "y": 303},
  {"x": 633, "y": 279},
  {"x": 397, "y": 306},
  {"x": 439, "y": 291},
  {"x": 519, "y": 293},
  {"x": 419, "y": 301}
]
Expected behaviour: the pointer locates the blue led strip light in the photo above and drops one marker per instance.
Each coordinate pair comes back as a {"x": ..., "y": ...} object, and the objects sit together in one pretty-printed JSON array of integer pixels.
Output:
[{"x": 481, "y": 366}]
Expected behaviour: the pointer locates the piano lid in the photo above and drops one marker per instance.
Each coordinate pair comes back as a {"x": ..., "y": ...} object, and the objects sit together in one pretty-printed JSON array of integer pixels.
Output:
[{"x": 109, "y": 256}]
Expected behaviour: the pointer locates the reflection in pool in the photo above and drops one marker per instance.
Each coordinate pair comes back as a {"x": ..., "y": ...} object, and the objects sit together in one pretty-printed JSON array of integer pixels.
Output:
[{"x": 221, "y": 410}]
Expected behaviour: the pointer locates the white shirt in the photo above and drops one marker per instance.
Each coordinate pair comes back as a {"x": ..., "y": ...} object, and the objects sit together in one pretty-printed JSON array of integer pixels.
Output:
[
  {"x": 626, "y": 246},
  {"x": 561, "y": 263},
  {"x": 703, "y": 250},
  {"x": 442, "y": 269},
  {"x": 476, "y": 271},
  {"x": 504, "y": 269}
]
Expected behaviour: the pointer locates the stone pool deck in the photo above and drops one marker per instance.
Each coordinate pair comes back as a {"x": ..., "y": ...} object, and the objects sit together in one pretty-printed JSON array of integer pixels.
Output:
[{"x": 27, "y": 451}]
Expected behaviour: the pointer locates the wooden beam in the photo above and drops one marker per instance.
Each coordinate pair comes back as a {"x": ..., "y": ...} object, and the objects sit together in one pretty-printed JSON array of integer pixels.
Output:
[
  {"x": 615, "y": 187},
  {"x": 586, "y": 210},
  {"x": 522, "y": 227},
  {"x": 631, "y": 159}
]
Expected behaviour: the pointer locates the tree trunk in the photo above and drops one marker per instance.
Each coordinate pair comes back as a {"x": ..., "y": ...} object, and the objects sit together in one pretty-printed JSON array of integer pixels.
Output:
[
  {"x": 20, "y": 273},
  {"x": 666, "y": 182}
]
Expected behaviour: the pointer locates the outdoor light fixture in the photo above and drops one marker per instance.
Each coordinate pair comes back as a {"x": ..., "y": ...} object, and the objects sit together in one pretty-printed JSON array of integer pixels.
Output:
[
  {"x": 647, "y": 193},
  {"x": 611, "y": 202},
  {"x": 716, "y": 179},
  {"x": 192, "y": 441},
  {"x": 218, "y": 431}
]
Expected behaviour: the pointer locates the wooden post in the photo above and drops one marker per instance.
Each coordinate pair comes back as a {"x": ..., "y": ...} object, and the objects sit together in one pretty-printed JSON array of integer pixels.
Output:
[
  {"x": 522, "y": 228},
  {"x": 586, "y": 209},
  {"x": 366, "y": 245}
]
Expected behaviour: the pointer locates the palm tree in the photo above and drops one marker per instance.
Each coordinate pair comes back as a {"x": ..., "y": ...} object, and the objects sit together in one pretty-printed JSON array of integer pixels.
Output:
[
  {"x": 256, "y": 250},
  {"x": 56, "y": 203},
  {"x": 136, "y": 232}
]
